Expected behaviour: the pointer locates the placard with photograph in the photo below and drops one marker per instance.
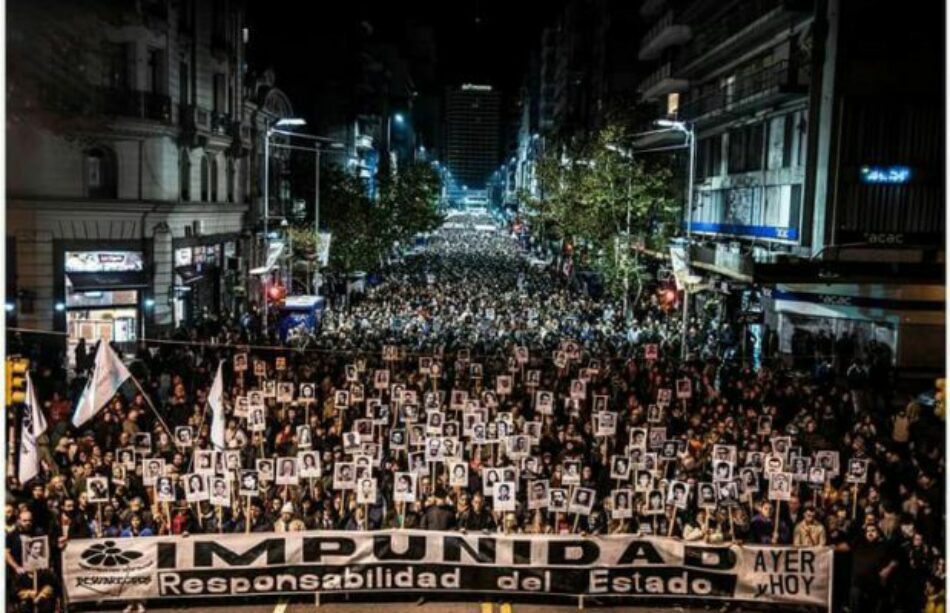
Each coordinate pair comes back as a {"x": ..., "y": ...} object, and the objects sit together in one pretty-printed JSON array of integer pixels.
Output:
[
  {"x": 287, "y": 473},
  {"x": 619, "y": 468},
  {"x": 35, "y": 553},
  {"x": 571, "y": 473},
  {"x": 285, "y": 391},
  {"x": 196, "y": 487},
  {"x": 164, "y": 490},
  {"x": 126, "y": 457},
  {"x": 621, "y": 504},
  {"x": 249, "y": 483},
  {"x": 366, "y": 491},
  {"x": 582, "y": 501},
  {"x": 344, "y": 476},
  {"x": 780, "y": 486},
  {"x": 857, "y": 470},
  {"x": 265, "y": 469},
  {"x": 152, "y": 469},
  {"x": 309, "y": 463},
  {"x": 404, "y": 489},
  {"x": 538, "y": 494},
  {"x": 503, "y": 496},
  {"x": 220, "y": 494},
  {"x": 308, "y": 393},
  {"x": 97, "y": 489},
  {"x": 705, "y": 495},
  {"x": 240, "y": 362},
  {"x": 678, "y": 494}
]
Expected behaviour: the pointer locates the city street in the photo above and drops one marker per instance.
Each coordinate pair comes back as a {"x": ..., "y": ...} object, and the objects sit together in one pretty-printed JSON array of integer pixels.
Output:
[{"x": 478, "y": 307}]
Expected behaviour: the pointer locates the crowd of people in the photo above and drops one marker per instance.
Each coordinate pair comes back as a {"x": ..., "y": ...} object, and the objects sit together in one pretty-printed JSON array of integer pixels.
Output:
[{"x": 475, "y": 390}]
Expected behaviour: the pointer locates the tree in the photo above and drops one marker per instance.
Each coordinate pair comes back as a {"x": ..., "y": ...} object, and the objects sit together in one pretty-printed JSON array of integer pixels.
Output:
[
  {"x": 602, "y": 198},
  {"x": 364, "y": 230}
]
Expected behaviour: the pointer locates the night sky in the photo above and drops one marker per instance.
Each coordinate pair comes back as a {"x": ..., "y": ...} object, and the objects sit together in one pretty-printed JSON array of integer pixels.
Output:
[{"x": 476, "y": 41}]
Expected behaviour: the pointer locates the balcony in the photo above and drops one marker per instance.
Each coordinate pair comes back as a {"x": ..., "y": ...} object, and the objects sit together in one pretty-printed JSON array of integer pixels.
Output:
[
  {"x": 661, "y": 82},
  {"x": 135, "y": 104},
  {"x": 665, "y": 33},
  {"x": 764, "y": 87},
  {"x": 220, "y": 123},
  {"x": 193, "y": 118},
  {"x": 739, "y": 27}
]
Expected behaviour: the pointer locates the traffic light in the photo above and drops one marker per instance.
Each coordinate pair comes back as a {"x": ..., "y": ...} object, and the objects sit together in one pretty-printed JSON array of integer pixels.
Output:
[
  {"x": 940, "y": 399},
  {"x": 16, "y": 379},
  {"x": 276, "y": 293}
]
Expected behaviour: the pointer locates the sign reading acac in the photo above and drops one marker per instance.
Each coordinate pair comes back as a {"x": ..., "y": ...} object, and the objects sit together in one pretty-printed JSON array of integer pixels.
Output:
[
  {"x": 886, "y": 174},
  {"x": 475, "y": 88}
]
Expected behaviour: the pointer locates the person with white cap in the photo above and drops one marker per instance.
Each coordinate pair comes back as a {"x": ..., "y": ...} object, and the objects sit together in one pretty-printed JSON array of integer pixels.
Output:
[{"x": 287, "y": 522}]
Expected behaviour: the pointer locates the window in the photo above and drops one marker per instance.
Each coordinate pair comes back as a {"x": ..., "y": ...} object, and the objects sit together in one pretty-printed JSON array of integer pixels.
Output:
[
  {"x": 183, "y": 84},
  {"x": 156, "y": 62},
  {"x": 100, "y": 173},
  {"x": 185, "y": 176},
  {"x": 219, "y": 95},
  {"x": 737, "y": 150},
  {"x": 230, "y": 187},
  {"x": 214, "y": 180},
  {"x": 116, "y": 66},
  {"x": 787, "y": 137},
  {"x": 672, "y": 104},
  {"x": 745, "y": 148},
  {"x": 205, "y": 178}
]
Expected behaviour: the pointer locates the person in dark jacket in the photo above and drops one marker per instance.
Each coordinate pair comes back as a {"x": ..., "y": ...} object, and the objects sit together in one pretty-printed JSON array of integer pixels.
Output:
[
  {"x": 476, "y": 517},
  {"x": 439, "y": 513}
]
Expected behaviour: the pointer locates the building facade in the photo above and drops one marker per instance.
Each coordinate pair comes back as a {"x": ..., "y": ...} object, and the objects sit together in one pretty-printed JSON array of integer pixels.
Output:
[
  {"x": 128, "y": 170},
  {"x": 819, "y": 165},
  {"x": 472, "y": 134}
]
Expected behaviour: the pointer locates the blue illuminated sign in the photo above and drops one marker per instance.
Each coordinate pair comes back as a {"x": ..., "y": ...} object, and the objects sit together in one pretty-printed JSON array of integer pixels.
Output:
[{"x": 885, "y": 174}]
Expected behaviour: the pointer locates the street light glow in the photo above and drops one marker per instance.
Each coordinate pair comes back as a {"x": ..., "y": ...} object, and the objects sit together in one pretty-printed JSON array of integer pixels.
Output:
[
  {"x": 399, "y": 118},
  {"x": 286, "y": 122},
  {"x": 673, "y": 125}
]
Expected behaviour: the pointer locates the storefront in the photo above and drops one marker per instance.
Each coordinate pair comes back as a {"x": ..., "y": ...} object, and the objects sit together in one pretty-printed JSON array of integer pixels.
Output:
[
  {"x": 909, "y": 320},
  {"x": 205, "y": 275},
  {"x": 103, "y": 297}
]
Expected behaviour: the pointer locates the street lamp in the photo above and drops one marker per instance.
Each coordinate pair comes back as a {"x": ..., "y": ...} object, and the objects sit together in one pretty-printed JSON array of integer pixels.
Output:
[
  {"x": 283, "y": 122},
  {"x": 689, "y": 132}
]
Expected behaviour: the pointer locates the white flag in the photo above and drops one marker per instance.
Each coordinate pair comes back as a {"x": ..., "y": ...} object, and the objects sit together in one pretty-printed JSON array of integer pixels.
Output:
[
  {"x": 32, "y": 426},
  {"x": 216, "y": 400},
  {"x": 107, "y": 377}
]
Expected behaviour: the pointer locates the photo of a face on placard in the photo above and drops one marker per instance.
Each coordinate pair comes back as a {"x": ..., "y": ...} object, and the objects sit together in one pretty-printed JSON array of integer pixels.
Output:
[
  {"x": 544, "y": 401},
  {"x": 270, "y": 388},
  {"x": 458, "y": 474},
  {"x": 398, "y": 440},
  {"x": 287, "y": 471},
  {"x": 142, "y": 441},
  {"x": 152, "y": 469},
  {"x": 344, "y": 476},
  {"x": 126, "y": 457},
  {"x": 578, "y": 389},
  {"x": 619, "y": 468},
  {"x": 304, "y": 437},
  {"x": 722, "y": 470},
  {"x": 557, "y": 500},
  {"x": 532, "y": 378},
  {"x": 285, "y": 391},
  {"x": 232, "y": 459},
  {"x": 582, "y": 502},
  {"x": 220, "y": 494},
  {"x": 621, "y": 504},
  {"x": 857, "y": 471},
  {"x": 677, "y": 494},
  {"x": 35, "y": 552},
  {"x": 749, "y": 480},
  {"x": 538, "y": 494},
  {"x": 260, "y": 368},
  {"x": 684, "y": 389},
  {"x": 764, "y": 425},
  {"x": 706, "y": 495},
  {"x": 119, "y": 474},
  {"x": 341, "y": 399},
  {"x": 654, "y": 502},
  {"x": 381, "y": 380},
  {"x": 664, "y": 396},
  {"x": 780, "y": 486},
  {"x": 816, "y": 476},
  {"x": 366, "y": 491},
  {"x": 773, "y": 464},
  {"x": 571, "y": 474},
  {"x": 256, "y": 420},
  {"x": 248, "y": 483},
  {"x": 503, "y": 496},
  {"x": 309, "y": 462},
  {"x": 308, "y": 393},
  {"x": 643, "y": 481},
  {"x": 164, "y": 489},
  {"x": 97, "y": 489},
  {"x": 404, "y": 489},
  {"x": 265, "y": 469},
  {"x": 196, "y": 487},
  {"x": 798, "y": 466},
  {"x": 605, "y": 424},
  {"x": 518, "y": 446}
]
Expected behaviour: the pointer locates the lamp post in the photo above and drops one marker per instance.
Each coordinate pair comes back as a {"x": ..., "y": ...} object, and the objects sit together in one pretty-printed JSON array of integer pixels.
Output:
[
  {"x": 400, "y": 119},
  {"x": 284, "y": 122},
  {"x": 689, "y": 132}
]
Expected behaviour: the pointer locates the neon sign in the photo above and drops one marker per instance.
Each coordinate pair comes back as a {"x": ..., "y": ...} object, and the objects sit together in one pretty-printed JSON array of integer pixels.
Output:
[{"x": 892, "y": 175}]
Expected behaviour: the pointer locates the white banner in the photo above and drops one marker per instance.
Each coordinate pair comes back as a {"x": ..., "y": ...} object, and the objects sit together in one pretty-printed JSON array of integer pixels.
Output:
[{"x": 204, "y": 565}]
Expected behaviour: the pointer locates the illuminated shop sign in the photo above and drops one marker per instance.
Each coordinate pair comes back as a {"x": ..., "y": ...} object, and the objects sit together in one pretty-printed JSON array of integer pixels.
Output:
[
  {"x": 886, "y": 174},
  {"x": 103, "y": 261}
]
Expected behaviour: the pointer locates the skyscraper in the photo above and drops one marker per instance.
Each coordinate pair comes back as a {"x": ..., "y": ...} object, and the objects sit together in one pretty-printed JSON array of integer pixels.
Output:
[{"x": 472, "y": 133}]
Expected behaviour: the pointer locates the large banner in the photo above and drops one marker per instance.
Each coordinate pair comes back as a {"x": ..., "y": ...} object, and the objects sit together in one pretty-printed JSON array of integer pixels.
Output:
[{"x": 411, "y": 560}]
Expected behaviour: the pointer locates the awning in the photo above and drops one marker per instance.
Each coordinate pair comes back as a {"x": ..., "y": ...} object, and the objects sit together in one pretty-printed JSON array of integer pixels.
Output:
[
  {"x": 189, "y": 274},
  {"x": 98, "y": 281}
]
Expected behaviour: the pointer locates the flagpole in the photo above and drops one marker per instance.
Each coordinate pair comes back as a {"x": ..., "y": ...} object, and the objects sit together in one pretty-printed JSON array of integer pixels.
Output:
[{"x": 152, "y": 406}]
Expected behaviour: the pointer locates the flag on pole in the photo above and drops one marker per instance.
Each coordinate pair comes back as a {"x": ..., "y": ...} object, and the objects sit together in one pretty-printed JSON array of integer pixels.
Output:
[
  {"x": 216, "y": 400},
  {"x": 107, "y": 377},
  {"x": 31, "y": 427}
]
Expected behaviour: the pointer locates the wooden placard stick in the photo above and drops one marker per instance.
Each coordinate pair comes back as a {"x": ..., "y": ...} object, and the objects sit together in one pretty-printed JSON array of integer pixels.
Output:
[{"x": 778, "y": 510}]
